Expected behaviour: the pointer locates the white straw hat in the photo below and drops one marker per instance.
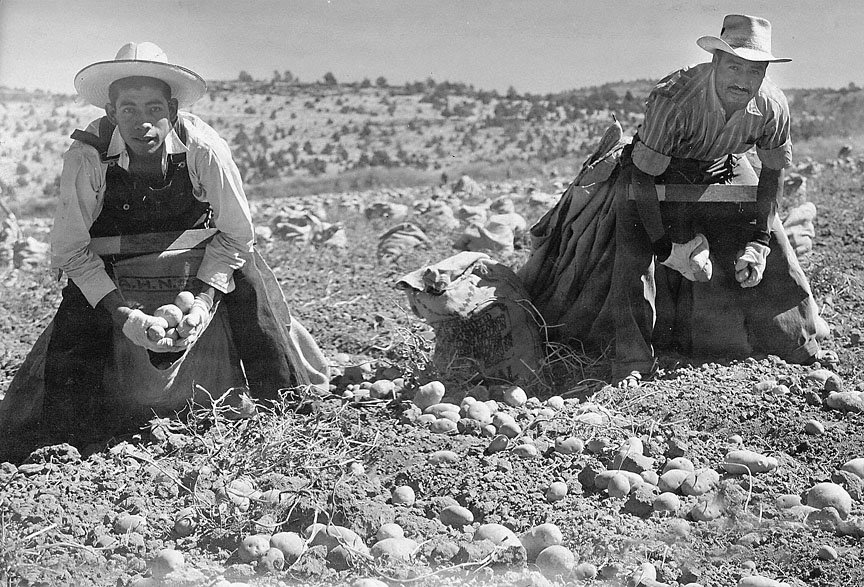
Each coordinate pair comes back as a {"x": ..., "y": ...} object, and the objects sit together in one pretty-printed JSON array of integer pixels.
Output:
[
  {"x": 139, "y": 59},
  {"x": 748, "y": 37}
]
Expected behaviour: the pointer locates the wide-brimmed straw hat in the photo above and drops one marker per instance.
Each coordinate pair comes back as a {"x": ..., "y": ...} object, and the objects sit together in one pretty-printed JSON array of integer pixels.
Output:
[
  {"x": 139, "y": 59},
  {"x": 748, "y": 37}
]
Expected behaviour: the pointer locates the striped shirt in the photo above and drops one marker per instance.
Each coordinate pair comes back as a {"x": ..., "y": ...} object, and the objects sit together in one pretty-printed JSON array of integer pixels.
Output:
[{"x": 684, "y": 118}]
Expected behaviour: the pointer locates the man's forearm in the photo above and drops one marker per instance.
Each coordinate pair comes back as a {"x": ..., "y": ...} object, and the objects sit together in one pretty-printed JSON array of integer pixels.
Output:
[
  {"x": 768, "y": 192},
  {"x": 116, "y": 307},
  {"x": 648, "y": 206}
]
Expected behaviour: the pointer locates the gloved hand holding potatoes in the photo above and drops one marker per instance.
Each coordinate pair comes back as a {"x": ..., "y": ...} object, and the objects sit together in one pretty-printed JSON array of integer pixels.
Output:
[
  {"x": 750, "y": 264},
  {"x": 147, "y": 331},
  {"x": 195, "y": 320},
  {"x": 172, "y": 327}
]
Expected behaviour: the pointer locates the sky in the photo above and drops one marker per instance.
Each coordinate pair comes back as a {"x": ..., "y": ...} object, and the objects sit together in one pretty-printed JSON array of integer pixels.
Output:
[{"x": 536, "y": 46}]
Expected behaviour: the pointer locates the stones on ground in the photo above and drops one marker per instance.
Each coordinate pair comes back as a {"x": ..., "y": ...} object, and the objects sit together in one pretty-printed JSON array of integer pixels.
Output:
[
  {"x": 824, "y": 495},
  {"x": 456, "y": 516},
  {"x": 510, "y": 429},
  {"x": 540, "y": 537},
  {"x": 402, "y": 495},
  {"x": 743, "y": 462},
  {"x": 555, "y": 561}
]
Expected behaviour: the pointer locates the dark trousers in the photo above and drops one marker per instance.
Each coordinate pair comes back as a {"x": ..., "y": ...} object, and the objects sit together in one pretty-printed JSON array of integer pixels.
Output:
[{"x": 718, "y": 318}]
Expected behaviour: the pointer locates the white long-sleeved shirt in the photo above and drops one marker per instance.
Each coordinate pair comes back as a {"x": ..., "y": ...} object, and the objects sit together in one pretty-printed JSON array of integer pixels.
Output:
[{"x": 215, "y": 179}]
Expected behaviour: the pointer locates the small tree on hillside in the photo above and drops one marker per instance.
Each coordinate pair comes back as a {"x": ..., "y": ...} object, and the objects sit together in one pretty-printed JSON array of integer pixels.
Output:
[
  {"x": 381, "y": 82},
  {"x": 245, "y": 76},
  {"x": 330, "y": 79}
]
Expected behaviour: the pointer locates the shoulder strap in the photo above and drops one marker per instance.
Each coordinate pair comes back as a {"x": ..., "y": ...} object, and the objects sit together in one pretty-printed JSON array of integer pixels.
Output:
[{"x": 100, "y": 142}]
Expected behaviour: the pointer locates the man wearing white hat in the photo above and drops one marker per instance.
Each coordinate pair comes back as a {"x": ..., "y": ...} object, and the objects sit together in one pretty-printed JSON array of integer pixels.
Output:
[
  {"x": 699, "y": 121},
  {"x": 148, "y": 167}
]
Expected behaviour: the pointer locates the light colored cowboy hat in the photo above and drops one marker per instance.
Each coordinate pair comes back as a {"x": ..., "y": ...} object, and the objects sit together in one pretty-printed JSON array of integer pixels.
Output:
[
  {"x": 139, "y": 59},
  {"x": 748, "y": 37}
]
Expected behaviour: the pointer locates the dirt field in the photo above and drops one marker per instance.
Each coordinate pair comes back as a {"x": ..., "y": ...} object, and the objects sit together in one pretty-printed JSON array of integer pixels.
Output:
[{"x": 65, "y": 518}]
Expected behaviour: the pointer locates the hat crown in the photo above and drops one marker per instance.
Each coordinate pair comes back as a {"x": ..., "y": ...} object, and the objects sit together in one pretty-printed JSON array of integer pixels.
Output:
[
  {"x": 746, "y": 32},
  {"x": 141, "y": 52}
]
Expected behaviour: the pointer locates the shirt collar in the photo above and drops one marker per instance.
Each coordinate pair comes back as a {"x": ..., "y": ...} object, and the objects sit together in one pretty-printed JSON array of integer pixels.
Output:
[
  {"x": 714, "y": 102},
  {"x": 117, "y": 146}
]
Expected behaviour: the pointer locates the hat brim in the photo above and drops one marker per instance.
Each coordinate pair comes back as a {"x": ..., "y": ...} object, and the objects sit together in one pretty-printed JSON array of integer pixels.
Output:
[
  {"x": 92, "y": 82},
  {"x": 712, "y": 44}
]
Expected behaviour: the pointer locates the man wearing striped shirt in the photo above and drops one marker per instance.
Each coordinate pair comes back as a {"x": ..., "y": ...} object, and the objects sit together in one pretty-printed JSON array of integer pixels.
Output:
[{"x": 698, "y": 123}]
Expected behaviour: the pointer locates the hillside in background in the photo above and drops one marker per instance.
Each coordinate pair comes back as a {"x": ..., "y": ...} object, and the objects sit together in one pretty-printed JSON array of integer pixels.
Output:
[{"x": 290, "y": 138}]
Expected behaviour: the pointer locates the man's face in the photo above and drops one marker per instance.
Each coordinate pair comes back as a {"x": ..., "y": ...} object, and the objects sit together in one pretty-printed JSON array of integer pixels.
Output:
[
  {"x": 143, "y": 116},
  {"x": 737, "y": 80}
]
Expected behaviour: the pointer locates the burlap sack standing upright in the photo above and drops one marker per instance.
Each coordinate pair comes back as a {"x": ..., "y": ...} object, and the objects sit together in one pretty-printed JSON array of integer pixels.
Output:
[{"x": 481, "y": 316}]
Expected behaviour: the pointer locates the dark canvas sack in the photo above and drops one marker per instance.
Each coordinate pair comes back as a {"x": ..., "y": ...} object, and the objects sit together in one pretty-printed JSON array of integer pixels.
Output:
[
  {"x": 137, "y": 379},
  {"x": 481, "y": 317}
]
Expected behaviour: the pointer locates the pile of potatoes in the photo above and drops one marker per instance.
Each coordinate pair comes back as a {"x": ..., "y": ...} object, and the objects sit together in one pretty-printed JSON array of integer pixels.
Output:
[{"x": 170, "y": 317}]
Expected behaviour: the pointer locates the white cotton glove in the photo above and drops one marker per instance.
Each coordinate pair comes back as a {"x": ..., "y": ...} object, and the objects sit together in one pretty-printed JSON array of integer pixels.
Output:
[
  {"x": 691, "y": 259},
  {"x": 750, "y": 264},
  {"x": 136, "y": 326},
  {"x": 195, "y": 321}
]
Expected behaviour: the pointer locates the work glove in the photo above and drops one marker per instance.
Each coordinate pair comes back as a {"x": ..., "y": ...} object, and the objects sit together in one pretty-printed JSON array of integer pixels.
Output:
[
  {"x": 194, "y": 322},
  {"x": 750, "y": 264},
  {"x": 136, "y": 326},
  {"x": 691, "y": 259}
]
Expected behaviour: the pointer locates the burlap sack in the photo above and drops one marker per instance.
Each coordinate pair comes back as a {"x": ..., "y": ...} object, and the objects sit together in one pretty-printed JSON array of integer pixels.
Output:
[
  {"x": 481, "y": 317},
  {"x": 141, "y": 381}
]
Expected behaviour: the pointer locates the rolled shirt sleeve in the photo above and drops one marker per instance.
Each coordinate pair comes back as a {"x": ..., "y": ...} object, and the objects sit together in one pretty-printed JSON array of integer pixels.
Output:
[
  {"x": 81, "y": 189},
  {"x": 658, "y": 135},
  {"x": 774, "y": 147},
  {"x": 217, "y": 181}
]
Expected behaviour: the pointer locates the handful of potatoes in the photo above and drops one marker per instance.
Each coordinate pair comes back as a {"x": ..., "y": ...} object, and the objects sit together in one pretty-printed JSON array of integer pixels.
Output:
[{"x": 170, "y": 319}]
